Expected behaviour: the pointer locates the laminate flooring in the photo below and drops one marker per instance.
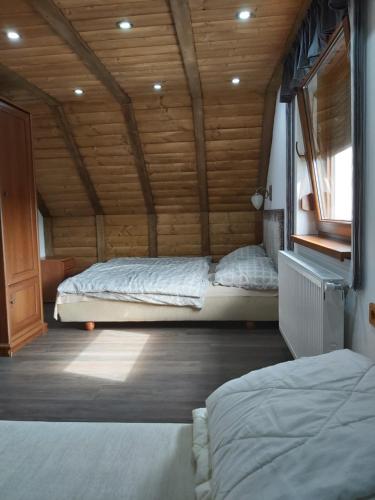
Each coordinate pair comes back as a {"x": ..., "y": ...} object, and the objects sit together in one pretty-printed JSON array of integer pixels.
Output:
[{"x": 130, "y": 373}]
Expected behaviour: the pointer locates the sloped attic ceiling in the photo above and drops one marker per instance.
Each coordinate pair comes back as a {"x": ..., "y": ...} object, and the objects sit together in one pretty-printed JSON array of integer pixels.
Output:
[{"x": 124, "y": 149}]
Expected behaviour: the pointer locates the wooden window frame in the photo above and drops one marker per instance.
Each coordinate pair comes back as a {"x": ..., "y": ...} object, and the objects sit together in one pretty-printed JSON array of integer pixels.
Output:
[{"x": 327, "y": 227}]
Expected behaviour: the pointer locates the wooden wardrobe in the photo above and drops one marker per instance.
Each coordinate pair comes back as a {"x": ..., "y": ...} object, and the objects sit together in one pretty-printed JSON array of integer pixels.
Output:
[{"x": 21, "y": 316}]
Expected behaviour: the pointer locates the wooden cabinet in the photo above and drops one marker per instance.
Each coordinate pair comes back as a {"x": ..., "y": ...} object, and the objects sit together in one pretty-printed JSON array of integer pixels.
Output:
[
  {"x": 21, "y": 316},
  {"x": 54, "y": 271}
]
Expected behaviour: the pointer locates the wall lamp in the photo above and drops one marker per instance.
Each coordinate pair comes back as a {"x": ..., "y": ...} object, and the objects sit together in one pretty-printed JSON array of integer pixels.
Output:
[{"x": 260, "y": 195}]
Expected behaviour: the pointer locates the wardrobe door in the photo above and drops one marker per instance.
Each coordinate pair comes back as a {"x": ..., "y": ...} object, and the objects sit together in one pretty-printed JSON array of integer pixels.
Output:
[
  {"x": 19, "y": 228},
  {"x": 25, "y": 307},
  {"x": 17, "y": 197}
]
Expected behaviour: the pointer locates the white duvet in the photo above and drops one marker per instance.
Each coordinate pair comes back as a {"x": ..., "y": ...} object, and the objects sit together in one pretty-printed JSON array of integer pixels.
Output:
[
  {"x": 179, "y": 281},
  {"x": 297, "y": 431}
]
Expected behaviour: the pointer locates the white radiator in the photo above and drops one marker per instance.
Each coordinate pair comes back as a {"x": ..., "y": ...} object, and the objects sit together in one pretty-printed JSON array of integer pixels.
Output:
[{"x": 311, "y": 306}]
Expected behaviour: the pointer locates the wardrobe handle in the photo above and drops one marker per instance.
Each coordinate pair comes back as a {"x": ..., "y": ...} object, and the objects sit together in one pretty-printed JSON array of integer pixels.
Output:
[{"x": 13, "y": 300}]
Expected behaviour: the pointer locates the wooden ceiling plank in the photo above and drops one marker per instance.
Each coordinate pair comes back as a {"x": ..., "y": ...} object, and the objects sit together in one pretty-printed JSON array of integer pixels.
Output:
[
  {"x": 62, "y": 26},
  {"x": 15, "y": 80},
  {"x": 182, "y": 21}
]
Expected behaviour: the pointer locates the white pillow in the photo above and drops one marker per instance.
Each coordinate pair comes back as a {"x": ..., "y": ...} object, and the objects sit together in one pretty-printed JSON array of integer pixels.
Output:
[
  {"x": 247, "y": 252},
  {"x": 251, "y": 274}
]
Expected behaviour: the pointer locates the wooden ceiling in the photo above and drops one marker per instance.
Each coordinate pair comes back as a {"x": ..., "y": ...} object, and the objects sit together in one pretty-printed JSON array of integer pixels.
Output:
[{"x": 122, "y": 148}]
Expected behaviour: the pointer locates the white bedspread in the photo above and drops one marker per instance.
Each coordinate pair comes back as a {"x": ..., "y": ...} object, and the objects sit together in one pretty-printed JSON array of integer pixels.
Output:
[
  {"x": 299, "y": 430},
  {"x": 179, "y": 281}
]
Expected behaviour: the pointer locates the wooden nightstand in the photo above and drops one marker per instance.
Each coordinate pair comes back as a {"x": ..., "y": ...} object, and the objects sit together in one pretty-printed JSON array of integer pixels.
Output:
[{"x": 54, "y": 271}]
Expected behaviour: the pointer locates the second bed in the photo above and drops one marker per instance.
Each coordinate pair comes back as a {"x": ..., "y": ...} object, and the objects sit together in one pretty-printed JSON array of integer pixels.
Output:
[{"x": 220, "y": 303}]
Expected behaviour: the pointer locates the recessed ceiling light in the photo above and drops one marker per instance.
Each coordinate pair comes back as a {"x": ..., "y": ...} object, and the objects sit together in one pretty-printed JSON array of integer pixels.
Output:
[
  {"x": 13, "y": 35},
  {"x": 157, "y": 86},
  {"x": 235, "y": 80},
  {"x": 124, "y": 25},
  {"x": 243, "y": 15},
  {"x": 79, "y": 91}
]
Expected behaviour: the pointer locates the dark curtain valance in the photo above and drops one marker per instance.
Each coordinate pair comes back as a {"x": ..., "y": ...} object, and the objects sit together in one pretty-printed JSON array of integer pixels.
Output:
[{"x": 321, "y": 20}]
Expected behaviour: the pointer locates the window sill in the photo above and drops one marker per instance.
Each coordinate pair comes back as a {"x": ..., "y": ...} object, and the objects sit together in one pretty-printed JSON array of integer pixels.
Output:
[{"x": 334, "y": 248}]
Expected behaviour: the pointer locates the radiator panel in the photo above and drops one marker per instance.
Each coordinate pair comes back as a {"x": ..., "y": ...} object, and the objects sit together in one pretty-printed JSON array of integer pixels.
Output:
[{"x": 311, "y": 306}]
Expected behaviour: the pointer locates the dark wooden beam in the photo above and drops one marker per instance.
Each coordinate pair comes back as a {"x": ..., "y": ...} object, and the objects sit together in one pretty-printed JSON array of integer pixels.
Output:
[
  {"x": 136, "y": 146},
  {"x": 100, "y": 238},
  {"x": 182, "y": 21},
  {"x": 48, "y": 236},
  {"x": 71, "y": 144},
  {"x": 42, "y": 207},
  {"x": 152, "y": 235},
  {"x": 63, "y": 27},
  {"x": 271, "y": 96},
  {"x": 12, "y": 79}
]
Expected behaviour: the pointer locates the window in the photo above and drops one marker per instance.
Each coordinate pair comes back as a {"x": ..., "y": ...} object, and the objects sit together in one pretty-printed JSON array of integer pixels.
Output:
[{"x": 325, "y": 100}]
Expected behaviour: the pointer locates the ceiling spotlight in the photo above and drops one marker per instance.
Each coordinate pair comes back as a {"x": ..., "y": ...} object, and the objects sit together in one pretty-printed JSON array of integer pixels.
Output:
[
  {"x": 13, "y": 35},
  {"x": 235, "y": 80},
  {"x": 79, "y": 91},
  {"x": 157, "y": 86},
  {"x": 124, "y": 25},
  {"x": 243, "y": 15}
]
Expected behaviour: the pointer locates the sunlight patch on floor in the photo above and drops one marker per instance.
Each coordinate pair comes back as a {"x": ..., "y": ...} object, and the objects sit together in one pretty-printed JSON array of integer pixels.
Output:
[{"x": 92, "y": 362}]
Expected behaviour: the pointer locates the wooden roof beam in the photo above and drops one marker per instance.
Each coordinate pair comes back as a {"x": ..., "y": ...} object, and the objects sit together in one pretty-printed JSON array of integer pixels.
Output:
[
  {"x": 271, "y": 97},
  {"x": 182, "y": 20},
  {"x": 15, "y": 80},
  {"x": 42, "y": 207},
  {"x": 64, "y": 28},
  {"x": 75, "y": 153}
]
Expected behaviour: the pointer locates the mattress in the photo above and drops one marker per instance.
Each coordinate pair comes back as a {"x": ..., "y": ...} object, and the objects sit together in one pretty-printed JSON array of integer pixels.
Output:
[{"x": 221, "y": 304}]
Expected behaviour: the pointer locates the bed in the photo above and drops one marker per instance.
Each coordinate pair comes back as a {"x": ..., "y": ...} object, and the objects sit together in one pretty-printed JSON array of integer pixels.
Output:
[
  {"x": 304, "y": 429},
  {"x": 221, "y": 303}
]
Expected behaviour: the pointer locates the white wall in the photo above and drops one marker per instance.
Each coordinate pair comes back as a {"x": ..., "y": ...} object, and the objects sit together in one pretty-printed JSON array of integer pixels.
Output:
[
  {"x": 277, "y": 166},
  {"x": 42, "y": 246}
]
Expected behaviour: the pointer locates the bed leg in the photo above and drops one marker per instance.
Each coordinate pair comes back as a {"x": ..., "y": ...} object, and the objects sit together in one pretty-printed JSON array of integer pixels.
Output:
[
  {"x": 90, "y": 326},
  {"x": 250, "y": 325}
]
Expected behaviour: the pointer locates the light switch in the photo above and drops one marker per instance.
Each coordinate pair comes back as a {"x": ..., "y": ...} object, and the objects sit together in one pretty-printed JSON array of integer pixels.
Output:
[{"x": 372, "y": 314}]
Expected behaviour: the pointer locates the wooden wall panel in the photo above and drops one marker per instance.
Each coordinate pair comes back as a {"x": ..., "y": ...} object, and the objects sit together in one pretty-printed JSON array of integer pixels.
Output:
[
  {"x": 233, "y": 118},
  {"x": 230, "y": 230},
  {"x": 75, "y": 237},
  {"x": 56, "y": 174},
  {"x": 233, "y": 128},
  {"x": 138, "y": 58},
  {"x": 179, "y": 234},
  {"x": 166, "y": 127},
  {"x": 126, "y": 236},
  {"x": 99, "y": 130}
]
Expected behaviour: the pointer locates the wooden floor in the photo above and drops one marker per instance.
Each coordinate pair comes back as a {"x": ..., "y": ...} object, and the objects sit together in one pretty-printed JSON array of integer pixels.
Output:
[{"x": 130, "y": 373}]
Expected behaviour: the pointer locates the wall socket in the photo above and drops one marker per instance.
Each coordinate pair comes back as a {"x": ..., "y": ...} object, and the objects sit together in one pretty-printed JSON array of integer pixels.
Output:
[{"x": 372, "y": 314}]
